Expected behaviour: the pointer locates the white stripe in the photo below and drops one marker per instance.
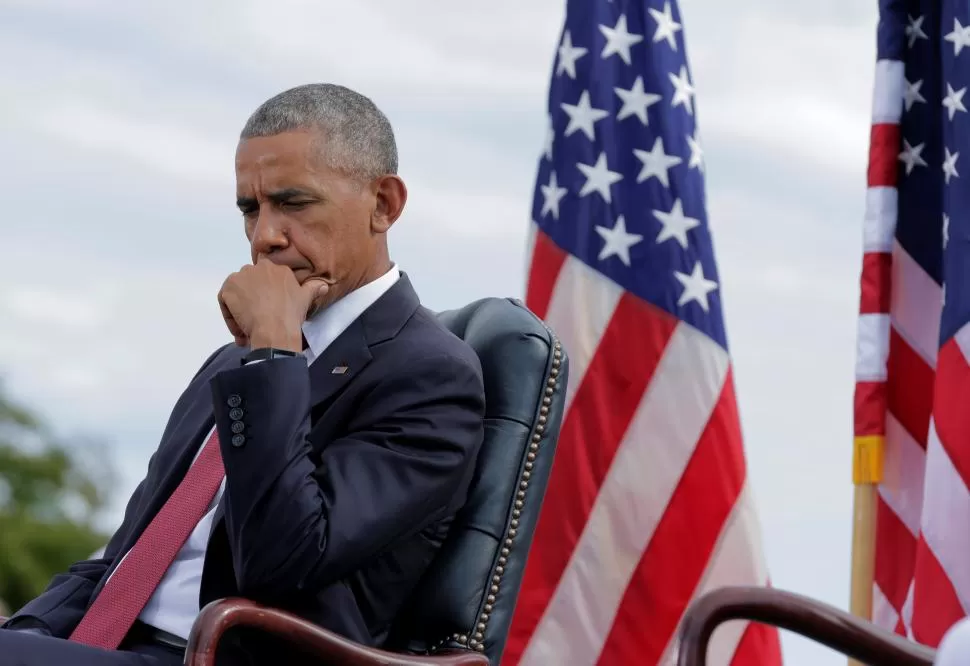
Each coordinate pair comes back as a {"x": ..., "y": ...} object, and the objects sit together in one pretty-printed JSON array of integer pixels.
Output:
[
  {"x": 883, "y": 613},
  {"x": 738, "y": 559},
  {"x": 887, "y": 92},
  {"x": 582, "y": 304},
  {"x": 872, "y": 347},
  {"x": 917, "y": 302},
  {"x": 946, "y": 514},
  {"x": 647, "y": 467},
  {"x": 530, "y": 247},
  {"x": 902, "y": 482},
  {"x": 879, "y": 223},
  {"x": 962, "y": 339}
]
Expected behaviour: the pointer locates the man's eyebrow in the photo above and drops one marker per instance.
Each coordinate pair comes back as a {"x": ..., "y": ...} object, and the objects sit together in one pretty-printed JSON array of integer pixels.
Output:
[
  {"x": 286, "y": 194},
  {"x": 278, "y": 197}
]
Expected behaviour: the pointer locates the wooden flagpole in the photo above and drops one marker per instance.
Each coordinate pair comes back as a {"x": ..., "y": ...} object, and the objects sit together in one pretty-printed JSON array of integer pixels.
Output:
[{"x": 867, "y": 468}]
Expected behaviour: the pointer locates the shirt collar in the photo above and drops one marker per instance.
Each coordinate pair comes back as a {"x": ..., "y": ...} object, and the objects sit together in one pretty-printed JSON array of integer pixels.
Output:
[{"x": 325, "y": 326}]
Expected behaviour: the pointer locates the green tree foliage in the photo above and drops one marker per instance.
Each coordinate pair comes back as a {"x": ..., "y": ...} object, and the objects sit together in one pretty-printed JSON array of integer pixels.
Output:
[{"x": 50, "y": 495}]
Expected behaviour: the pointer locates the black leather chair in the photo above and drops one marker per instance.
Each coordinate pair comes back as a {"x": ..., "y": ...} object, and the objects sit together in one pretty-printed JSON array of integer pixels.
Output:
[{"x": 461, "y": 612}]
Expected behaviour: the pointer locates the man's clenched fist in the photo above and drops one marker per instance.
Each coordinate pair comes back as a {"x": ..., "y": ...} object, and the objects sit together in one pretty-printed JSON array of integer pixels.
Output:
[{"x": 265, "y": 306}]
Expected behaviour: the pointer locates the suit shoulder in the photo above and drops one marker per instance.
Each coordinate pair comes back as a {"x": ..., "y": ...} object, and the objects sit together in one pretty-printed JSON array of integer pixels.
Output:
[{"x": 427, "y": 339}]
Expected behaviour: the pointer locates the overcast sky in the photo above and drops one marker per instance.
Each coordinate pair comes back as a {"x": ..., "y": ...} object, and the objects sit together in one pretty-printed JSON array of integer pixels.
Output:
[{"x": 117, "y": 131}]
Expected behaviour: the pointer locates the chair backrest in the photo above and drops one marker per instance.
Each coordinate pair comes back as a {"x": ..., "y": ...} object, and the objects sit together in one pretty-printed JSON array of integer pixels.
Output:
[{"x": 467, "y": 597}]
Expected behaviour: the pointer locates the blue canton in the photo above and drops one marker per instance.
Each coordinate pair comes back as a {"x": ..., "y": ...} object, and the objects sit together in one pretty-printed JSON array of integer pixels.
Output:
[
  {"x": 932, "y": 39},
  {"x": 620, "y": 185}
]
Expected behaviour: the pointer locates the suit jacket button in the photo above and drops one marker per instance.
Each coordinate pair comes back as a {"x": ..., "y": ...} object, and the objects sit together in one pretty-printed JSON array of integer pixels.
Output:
[
  {"x": 238, "y": 440},
  {"x": 237, "y": 427},
  {"x": 234, "y": 400},
  {"x": 236, "y": 414}
]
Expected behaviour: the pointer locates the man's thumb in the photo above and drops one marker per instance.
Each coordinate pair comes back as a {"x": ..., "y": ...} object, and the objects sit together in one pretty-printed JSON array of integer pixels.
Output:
[{"x": 315, "y": 288}]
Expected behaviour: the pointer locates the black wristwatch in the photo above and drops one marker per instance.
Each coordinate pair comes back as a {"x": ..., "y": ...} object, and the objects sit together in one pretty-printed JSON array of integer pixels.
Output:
[{"x": 267, "y": 354}]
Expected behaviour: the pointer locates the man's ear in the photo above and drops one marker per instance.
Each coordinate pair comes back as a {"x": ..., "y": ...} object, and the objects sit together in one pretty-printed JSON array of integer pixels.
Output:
[{"x": 391, "y": 195}]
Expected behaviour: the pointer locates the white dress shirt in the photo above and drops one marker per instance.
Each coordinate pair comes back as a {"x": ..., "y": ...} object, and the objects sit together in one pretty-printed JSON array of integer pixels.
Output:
[{"x": 175, "y": 604}]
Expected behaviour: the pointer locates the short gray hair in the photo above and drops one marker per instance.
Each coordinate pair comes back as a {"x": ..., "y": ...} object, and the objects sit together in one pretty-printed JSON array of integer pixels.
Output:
[{"x": 360, "y": 138}]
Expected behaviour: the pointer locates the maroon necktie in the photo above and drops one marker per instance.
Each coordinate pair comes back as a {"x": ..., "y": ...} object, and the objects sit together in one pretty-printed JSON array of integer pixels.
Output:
[{"x": 131, "y": 585}]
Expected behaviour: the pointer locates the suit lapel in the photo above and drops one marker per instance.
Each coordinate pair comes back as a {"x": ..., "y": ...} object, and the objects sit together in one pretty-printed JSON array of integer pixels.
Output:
[
  {"x": 350, "y": 352},
  {"x": 339, "y": 363}
]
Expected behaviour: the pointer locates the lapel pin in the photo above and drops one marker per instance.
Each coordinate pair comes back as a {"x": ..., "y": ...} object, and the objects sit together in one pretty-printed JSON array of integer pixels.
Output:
[{"x": 339, "y": 370}]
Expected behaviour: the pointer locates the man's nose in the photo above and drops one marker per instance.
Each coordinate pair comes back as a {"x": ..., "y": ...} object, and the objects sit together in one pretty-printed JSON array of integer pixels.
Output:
[{"x": 269, "y": 235}]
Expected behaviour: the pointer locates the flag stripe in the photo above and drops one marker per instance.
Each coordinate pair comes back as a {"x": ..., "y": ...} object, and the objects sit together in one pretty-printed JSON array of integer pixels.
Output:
[
  {"x": 547, "y": 261},
  {"x": 633, "y": 497},
  {"x": 935, "y": 604},
  {"x": 667, "y": 573},
  {"x": 582, "y": 289},
  {"x": 910, "y": 396},
  {"x": 605, "y": 403}
]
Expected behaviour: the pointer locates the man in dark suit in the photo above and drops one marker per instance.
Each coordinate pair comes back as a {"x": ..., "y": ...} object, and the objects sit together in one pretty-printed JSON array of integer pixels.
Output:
[{"x": 317, "y": 462}]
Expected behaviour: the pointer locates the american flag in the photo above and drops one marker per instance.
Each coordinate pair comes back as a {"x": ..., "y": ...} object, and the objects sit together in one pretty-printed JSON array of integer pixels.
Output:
[
  {"x": 648, "y": 505},
  {"x": 913, "y": 379}
]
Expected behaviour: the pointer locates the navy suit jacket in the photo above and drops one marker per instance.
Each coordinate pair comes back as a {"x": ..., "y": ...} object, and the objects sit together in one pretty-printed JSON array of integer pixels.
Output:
[{"x": 340, "y": 490}]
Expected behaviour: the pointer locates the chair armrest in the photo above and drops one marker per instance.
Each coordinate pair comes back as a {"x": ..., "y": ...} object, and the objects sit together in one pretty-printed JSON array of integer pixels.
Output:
[
  {"x": 810, "y": 618},
  {"x": 332, "y": 649}
]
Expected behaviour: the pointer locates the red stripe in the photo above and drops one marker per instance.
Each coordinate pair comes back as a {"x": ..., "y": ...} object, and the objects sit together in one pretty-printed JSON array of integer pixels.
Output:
[
  {"x": 601, "y": 411},
  {"x": 870, "y": 408},
  {"x": 875, "y": 284},
  {"x": 547, "y": 261},
  {"x": 759, "y": 645},
  {"x": 950, "y": 414},
  {"x": 668, "y": 572},
  {"x": 935, "y": 604},
  {"x": 884, "y": 147},
  {"x": 895, "y": 555},
  {"x": 910, "y": 388}
]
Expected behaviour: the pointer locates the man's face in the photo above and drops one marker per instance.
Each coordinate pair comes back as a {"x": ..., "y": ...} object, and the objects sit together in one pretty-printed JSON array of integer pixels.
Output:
[{"x": 301, "y": 213}]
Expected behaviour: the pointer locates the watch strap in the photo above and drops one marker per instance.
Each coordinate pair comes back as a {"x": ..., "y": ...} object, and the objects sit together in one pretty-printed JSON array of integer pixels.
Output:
[{"x": 266, "y": 354}]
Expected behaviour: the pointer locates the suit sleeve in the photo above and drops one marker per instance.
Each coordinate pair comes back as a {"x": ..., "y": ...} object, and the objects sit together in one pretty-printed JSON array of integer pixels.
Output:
[
  {"x": 59, "y": 608},
  {"x": 296, "y": 525}
]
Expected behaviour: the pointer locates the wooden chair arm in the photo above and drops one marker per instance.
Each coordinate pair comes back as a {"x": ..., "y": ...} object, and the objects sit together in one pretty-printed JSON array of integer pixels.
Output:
[
  {"x": 810, "y": 618},
  {"x": 334, "y": 650}
]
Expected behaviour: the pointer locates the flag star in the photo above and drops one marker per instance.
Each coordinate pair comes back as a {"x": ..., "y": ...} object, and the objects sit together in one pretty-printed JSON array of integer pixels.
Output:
[
  {"x": 656, "y": 163},
  {"x": 946, "y": 230},
  {"x": 696, "y": 152},
  {"x": 619, "y": 40},
  {"x": 636, "y": 101},
  {"x": 696, "y": 287},
  {"x": 912, "y": 156},
  {"x": 954, "y": 100},
  {"x": 667, "y": 27},
  {"x": 912, "y": 95},
  {"x": 582, "y": 116},
  {"x": 617, "y": 241},
  {"x": 599, "y": 178},
  {"x": 552, "y": 194},
  {"x": 950, "y": 165},
  {"x": 550, "y": 139},
  {"x": 683, "y": 90},
  {"x": 568, "y": 55},
  {"x": 915, "y": 30},
  {"x": 675, "y": 224},
  {"x": 960, "y": 37}
]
